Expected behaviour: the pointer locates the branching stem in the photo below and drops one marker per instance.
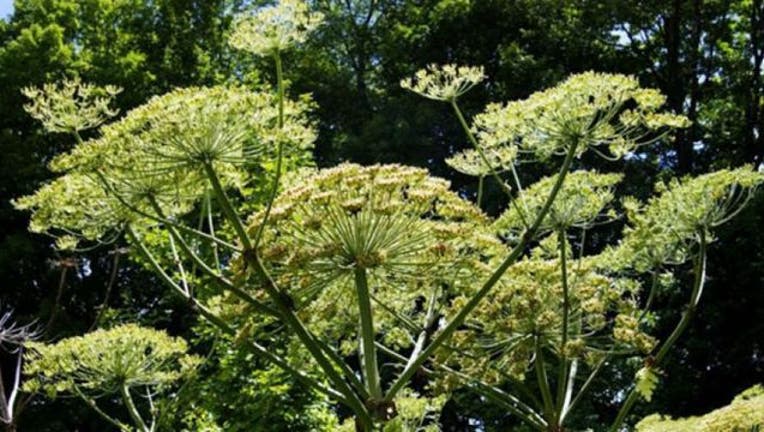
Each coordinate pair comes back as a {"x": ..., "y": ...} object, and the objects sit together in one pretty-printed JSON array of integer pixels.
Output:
[
  {"x": 472, "y": 303},
  {"x": 562, "y": 380},
  {"x": 367, "y": 349},
  {"x": 697, "y": 291},
  {"x": 133, "y": 410},
  {"x": 280, "y": 155}
]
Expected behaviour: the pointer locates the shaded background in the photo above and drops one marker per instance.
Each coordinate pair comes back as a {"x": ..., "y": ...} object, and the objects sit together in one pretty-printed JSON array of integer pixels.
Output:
[{"x": 705, "y": 55}]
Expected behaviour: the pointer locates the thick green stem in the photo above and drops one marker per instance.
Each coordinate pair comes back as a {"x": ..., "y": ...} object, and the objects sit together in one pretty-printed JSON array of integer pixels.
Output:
[
  {"x": 255, "y": 348},
  {"x": 543, "y": 382},
  {"x": 92, "y": 404},
  {"x": 218, "y": 278},
  {"x": 650, "y": 297},
  {"x": 227, "y": 208},
  {"x": 480, "y": 191},
  {"x": 133, "y": 410},
  {"x": 282, "y": 306},
  {"x": 280, "y": 155},
  {"x": 697, "y": 291},
  {"x": 563, "y": 373},
  {"x": 472, "y": 303},
  {"x": 308, "y": 340},
  {"x": 367, "y": 349},
  {"x": 281, "y": 303},
  {"x": 280, "y": 87}
]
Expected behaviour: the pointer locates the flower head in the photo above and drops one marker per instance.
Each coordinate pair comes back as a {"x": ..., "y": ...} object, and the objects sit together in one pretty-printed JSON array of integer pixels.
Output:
[
  {"x": 528, "y": 303},
  {"x": 71, "y": 106},
  {"x": 157, "y": 153},
  {"x": 103, "y": 361},
  {"x": 472, "y": 163},
  {"x": 383, "y": 218},
  {"x": 580, "y": 203},
  {"x": 444, "y": 83},
  {"x": 606, "y": 113},
  {"x": 272, "y": 29},
  {"x": 162, "y": 147},
  {"x": 664, "y": 230},
  {"x": 408, "y": 231},
  {"x": 75, "y": 205}
]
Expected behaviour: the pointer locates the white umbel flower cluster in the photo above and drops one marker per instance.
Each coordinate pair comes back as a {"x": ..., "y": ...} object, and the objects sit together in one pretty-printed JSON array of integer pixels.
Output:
[
  {"x": 609, "y": 114},
  {"x": 444, "y": 83},
  {"x": 272, "y": 29},
  {"x": 71, "y": 105},
  {"x": 471, "y": 162}
]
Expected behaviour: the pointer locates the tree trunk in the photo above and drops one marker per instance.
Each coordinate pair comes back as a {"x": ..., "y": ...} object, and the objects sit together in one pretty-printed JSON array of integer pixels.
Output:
[
  {"x": 754, "y": 149},
  {"x": 676, "y": 91}
]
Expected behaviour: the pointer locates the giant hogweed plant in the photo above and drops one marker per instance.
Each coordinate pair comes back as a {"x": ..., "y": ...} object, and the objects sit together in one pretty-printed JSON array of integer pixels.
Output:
[
  {"x": 380, "y": 274},
  {"x": 127, "y": 361}
]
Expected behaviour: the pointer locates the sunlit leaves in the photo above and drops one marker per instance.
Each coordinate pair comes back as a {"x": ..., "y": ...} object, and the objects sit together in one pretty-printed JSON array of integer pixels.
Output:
[{"x": 646, "y": 381}]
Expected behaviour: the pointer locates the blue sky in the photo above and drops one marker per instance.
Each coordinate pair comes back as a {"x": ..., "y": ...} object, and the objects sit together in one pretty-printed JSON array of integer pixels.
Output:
[{"x": 6, "y": 7}]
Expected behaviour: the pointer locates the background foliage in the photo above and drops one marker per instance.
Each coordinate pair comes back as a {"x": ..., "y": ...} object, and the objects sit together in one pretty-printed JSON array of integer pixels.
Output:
[{"x": 706, "y": 55}]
